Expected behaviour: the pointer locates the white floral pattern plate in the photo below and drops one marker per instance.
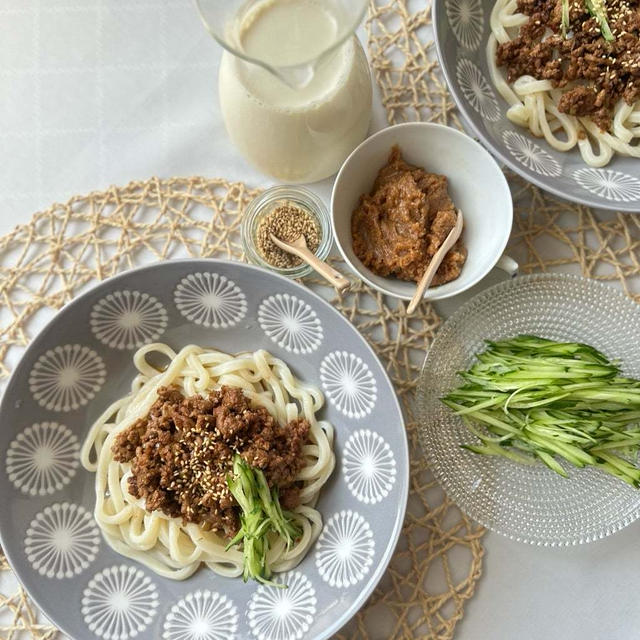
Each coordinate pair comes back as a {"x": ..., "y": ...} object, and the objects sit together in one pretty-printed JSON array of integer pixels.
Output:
[
  {"x": 82, "y": 361},
  {"x": 461, "y": 32}
]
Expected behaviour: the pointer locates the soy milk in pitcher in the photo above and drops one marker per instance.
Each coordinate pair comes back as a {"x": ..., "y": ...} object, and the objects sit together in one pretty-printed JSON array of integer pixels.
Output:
[{"x": 295, "y": 92}]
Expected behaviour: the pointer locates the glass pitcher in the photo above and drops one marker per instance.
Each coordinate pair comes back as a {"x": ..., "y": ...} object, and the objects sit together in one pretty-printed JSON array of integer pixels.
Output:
[{"x": 294, "y": 82}]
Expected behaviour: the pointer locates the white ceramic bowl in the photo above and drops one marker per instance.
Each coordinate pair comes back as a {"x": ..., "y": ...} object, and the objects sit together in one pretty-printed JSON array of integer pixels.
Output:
[{"x": 476, "y": 184}]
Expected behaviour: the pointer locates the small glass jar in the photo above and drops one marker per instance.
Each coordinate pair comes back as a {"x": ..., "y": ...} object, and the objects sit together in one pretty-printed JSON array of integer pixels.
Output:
[{"x": 264, "y": 204}]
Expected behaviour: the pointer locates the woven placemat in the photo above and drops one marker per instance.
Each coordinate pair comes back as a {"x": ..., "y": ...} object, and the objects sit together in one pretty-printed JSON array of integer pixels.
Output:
[{"x": 68, "y": 248}]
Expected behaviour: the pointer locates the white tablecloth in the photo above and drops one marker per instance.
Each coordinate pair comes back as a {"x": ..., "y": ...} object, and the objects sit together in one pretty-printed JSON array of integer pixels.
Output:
[{"x": 100, "y": 92}]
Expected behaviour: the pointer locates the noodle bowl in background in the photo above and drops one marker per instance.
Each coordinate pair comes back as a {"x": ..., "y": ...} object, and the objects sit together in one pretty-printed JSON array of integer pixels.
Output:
[
  {"x": 534, "y": 103},
  {"x": 509, "y": 112},
  {"x": 168, "y": 545}
]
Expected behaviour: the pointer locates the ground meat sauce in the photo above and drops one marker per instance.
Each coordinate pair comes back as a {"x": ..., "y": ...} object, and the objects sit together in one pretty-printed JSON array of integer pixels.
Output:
[
  {"x": 400, "y": 225},
  {"x": 181, "y": 453},
  {"x": 599, "y": 73}
]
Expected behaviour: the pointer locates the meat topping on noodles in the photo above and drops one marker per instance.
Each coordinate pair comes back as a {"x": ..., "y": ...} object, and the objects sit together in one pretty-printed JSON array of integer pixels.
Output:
[
  {"x": 596, "y": 72},
  {"x": 182, "y": 451}
]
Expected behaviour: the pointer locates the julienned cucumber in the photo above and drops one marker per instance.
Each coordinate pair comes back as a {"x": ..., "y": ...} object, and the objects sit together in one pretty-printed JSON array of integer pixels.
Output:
[
  {"x": 598, "y": 9},
  {"x": 261, "y": 514},
  {"x": 531, "y": 399}
]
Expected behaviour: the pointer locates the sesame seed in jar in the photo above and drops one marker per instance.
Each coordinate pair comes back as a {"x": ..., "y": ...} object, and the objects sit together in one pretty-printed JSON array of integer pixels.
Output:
[{"x": 288, "y": 222}]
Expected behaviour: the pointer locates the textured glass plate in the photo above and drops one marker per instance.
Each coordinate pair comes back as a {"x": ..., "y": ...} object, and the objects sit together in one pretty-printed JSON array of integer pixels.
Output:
[{"x": 528, "y": 503}]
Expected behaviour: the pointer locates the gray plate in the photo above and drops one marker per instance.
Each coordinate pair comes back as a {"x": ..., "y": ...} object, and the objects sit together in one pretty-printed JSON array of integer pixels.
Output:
[
  {"x": 461, "y": 32},
  {"x": 82, "y": 361}
]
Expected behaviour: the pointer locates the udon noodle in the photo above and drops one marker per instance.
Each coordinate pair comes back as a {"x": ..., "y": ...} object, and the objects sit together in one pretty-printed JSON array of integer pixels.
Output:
[{"x": 169, "y": 546}]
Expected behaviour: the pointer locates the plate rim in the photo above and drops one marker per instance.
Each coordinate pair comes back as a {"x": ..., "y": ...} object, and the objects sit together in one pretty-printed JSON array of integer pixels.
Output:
[
  {"x": 421, "y": 402},
  {"x": 403, "y": 457},
  {"x": 625, "y": 207}
]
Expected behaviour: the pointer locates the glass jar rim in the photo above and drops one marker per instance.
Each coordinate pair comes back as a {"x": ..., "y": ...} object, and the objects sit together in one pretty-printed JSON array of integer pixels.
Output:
[{"x": 299, "y": 195}]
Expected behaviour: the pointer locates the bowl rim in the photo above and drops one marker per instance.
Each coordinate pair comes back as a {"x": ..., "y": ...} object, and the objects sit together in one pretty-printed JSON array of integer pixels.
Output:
[
  {"x": 510, "y": 162},
  {"x": 431, "y": 294},
  {"x": 403, "y": 467}
]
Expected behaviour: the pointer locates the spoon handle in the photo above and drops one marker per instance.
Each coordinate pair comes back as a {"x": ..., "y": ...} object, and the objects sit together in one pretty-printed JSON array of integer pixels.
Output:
[
  {"x": 325, "y": 270},
  {"x": 437, "y": 259}
]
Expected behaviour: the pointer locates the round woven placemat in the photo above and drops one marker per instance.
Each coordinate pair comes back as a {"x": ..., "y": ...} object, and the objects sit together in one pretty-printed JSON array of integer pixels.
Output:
[{"x": 69, "y": 247}]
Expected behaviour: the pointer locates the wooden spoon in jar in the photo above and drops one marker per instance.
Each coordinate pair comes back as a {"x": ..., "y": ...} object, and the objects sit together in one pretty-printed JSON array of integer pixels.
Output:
[
  {"x": 298, "y": 247},
  {"x": 436, "y": 261}
]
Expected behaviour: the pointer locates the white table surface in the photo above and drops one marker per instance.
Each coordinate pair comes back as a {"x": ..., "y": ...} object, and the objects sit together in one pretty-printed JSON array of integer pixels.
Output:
[{"x": 100, "y": 92}]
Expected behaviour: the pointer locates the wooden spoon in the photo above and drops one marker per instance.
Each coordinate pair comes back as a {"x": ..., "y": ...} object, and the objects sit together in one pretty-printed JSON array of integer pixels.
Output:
[
  {"x": 436, "y": 261},
  {"x": 298, "y": 247}
]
